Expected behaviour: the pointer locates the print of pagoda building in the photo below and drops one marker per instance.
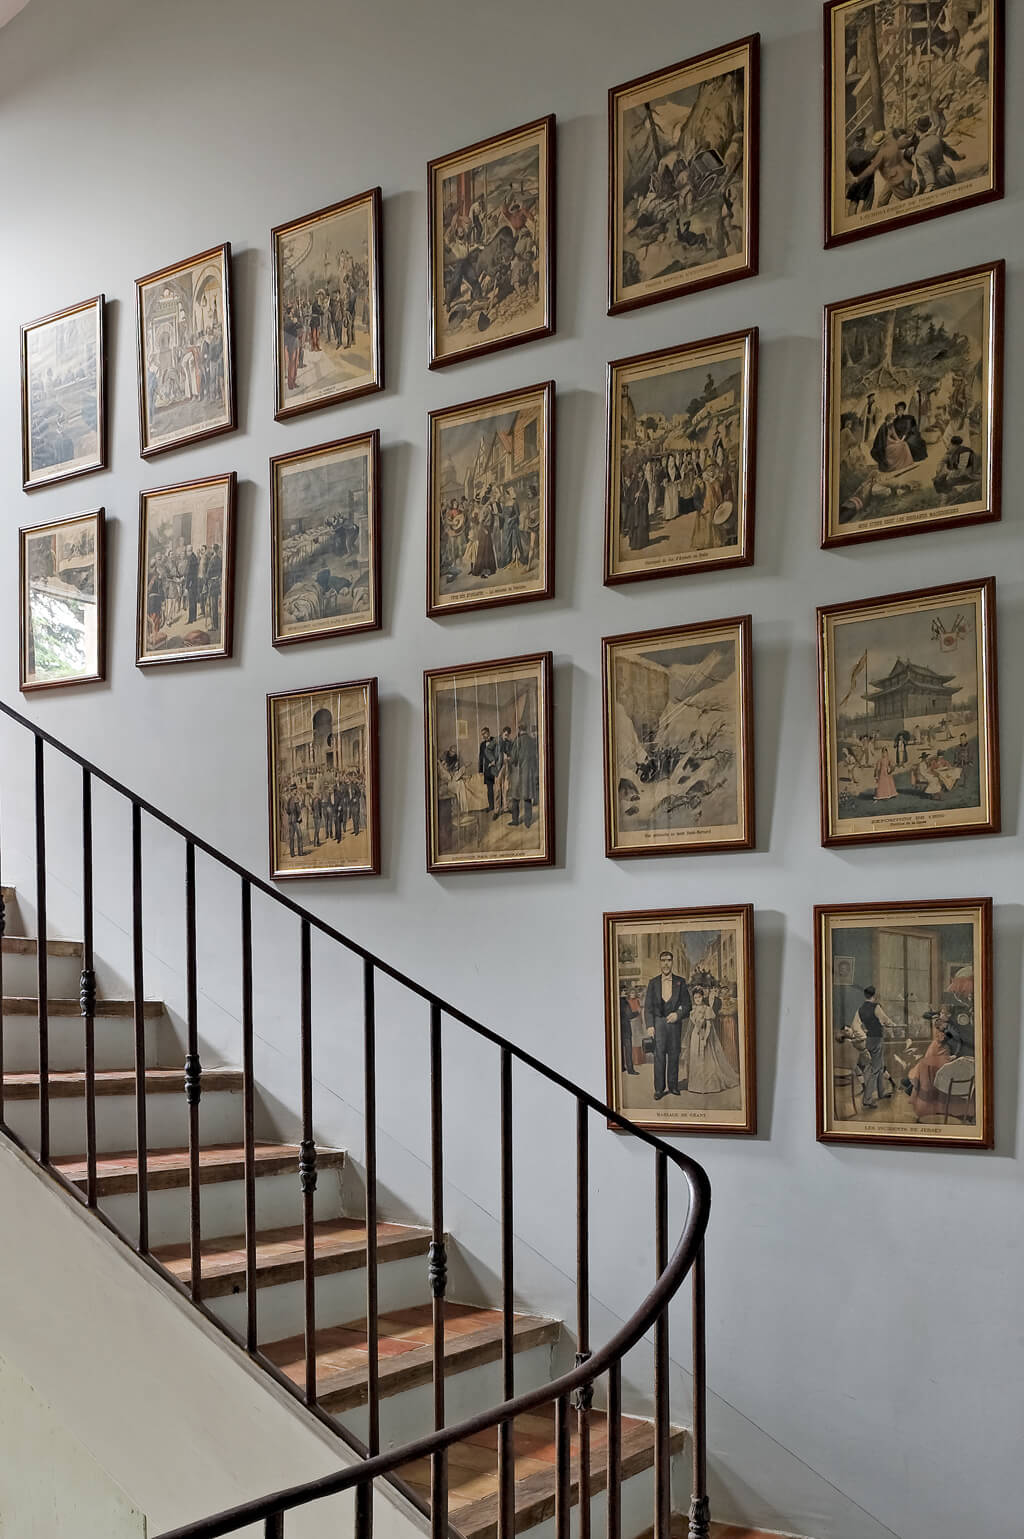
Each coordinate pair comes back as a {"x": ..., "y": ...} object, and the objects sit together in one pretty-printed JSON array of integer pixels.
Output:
[{"x": 909, "y": 692}]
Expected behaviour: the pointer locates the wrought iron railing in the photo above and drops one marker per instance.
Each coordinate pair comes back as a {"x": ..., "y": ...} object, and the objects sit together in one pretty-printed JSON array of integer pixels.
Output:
[{"x": 571, "y": 1394}]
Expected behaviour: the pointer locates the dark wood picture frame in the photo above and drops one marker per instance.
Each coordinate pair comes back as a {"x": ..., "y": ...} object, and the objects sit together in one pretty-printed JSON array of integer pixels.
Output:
[
  {"x": 739, "y": 626},
  {"x": 542, "y": 662},
  {"x": 742, "y": 553},
  {"x": 145, "y": 659},
  {"x": 988, "y": 722},
  {"x": 743, "y": 915},
  {"x": 374, "y": 196},
  {"x": 373, "y": 622},
  {"x": 372, "y": 825},
  {"x": 617, "y": 303},
  {"x": 903, "y": 524},
  {"x": 26, "y": 685},
  {"x": 545, "y": 129},
  {"x": 148, "y": 450},
  {"x": 827, "y": 1134},
  {"x": 30, "y": 482},
  {"x": 834, "y": 237},
  {"x": 503, "y": 400}
]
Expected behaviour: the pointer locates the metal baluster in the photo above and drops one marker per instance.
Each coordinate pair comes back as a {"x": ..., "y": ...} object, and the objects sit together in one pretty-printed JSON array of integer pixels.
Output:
[
  {"x": 193, "y": 1076},
  {"x": 615, "y": 1451},
  {"x": 584, "y": 1397},
  {"x": 307, "y": 1163},
  {"x": 3, "y": 932},
  {"x": 370, "y": 1155},
  {"x": 506, "y": 1435},
  {"x": 42, "y": 994},
  {"x": 141, "y": 1139},
  {"x": 87, "y": 993},
  {"x": 364, "y": 1510},
  {"x": 700, "y": 1514},
  {"x": 248, "y": 1122},
  {"x": 438, "y": 1273},
  {"x": 662, "y": 1431},
  {"x": 274, "y": 1526},
  {"x": 563, "y": 1456}
]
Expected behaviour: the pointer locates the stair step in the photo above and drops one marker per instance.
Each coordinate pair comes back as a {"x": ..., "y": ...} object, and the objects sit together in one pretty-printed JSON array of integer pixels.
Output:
[
  {"x": 26, "y": 946},
  {"x": 473, "y": 1486},
  {"x": 70, "y": 1083},
  {"x": 168, "y": 1168},
  {"x": 472, "y": 1337},
  {"x": 26, "y": 1005},
  {"x": 680, "y": 1529},
  {"x": 339, "y": 1246}
]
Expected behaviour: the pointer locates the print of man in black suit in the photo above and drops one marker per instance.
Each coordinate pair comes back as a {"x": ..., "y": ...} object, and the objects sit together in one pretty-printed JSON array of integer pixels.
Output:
[{"x": 667, "y": 1013}]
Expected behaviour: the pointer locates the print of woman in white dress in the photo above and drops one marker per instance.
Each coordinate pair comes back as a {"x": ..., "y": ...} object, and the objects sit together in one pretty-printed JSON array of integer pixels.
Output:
[{"x": 709, "y": 1069}]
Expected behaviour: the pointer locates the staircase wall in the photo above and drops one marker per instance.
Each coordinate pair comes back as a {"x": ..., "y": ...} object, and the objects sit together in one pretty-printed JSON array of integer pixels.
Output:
[
  {"x": 859, "y": 1351},
  {"x": 146, "y": 1391}
]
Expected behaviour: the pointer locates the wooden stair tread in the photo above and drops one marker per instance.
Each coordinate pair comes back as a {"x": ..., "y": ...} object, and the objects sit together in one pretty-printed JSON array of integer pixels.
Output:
[
  {"x": 339, "y": 1245},
  {"x": 473, "y": 1488},
  {"x": 68, "y": 1083},
  {"x": 472, "y": 1337},
  {"x": 25, "y": 946},
  {"x": 17, "y": 1004},
  {"x": 168, "y": 1168}
]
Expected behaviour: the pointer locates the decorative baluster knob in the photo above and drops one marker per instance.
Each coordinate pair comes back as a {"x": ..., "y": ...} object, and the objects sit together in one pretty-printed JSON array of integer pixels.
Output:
[
  {"x": 700, "y": 1518},
  {"x": 583, "y": 1398},
  {"x": 307, "y": 1165},
  {"x": 86, "y": 991},
  {"x": 193, "y": 1079},
  {"x": 437, "y": 1268}
]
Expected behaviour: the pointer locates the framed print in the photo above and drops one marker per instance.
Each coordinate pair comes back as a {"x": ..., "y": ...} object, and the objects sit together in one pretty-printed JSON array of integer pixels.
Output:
[
  {"x": 327, "y": 306},
  {"x": 325, "y": 539},
  {"x": 913, "y": 408},
  {"x": 905, "y": 1057},
  {"x": 913, "y": 112},
  {"x": 324, "y": 781},
  {"x": 489, "y": 771},
  {"x": 186, "y": 572},
  {"x": 682, "y": 183},
  {"x": 678, "y": 740},
  {"x": 62, "y": 603},
  {"x": 491, "y": 233},
  {"x": 63, "y": 389},
  {"x": 490, "y": 519},
  {"x": 186, "y": 363},
  {"x": 679, "y": 1013},
  {"x": 909, "y": 720},
  {"x": 680, "y": 458}
]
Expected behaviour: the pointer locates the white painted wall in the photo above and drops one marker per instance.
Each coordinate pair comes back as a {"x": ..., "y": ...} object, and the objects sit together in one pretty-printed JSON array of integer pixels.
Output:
[
  {"x": 155, "y": 1400},
  {"x": 50, "y": 1487},
  {"x": 865, "y": 1347}
]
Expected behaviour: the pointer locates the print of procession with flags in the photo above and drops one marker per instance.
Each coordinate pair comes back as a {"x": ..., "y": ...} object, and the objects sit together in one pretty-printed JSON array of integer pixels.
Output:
[{"x": 907, "y": 725}]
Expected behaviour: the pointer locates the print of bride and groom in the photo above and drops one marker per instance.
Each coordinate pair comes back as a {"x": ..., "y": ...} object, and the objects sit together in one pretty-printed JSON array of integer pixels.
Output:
[{"x": 689, "y": 1028}]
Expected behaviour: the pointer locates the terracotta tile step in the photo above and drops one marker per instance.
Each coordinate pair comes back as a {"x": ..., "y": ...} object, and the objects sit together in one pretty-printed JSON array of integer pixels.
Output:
[
  {"x": 473, "y": 1469},
  {"x": 339, "y": 1245},
  {"x": 25, "y": 946},
  {"x": 67, "y": 1084},
  {"x": 472, "y": 1337},
  {"x": 680, "y": 1529},
  {"x": 168, "y": 1168},
  {"x": 26, "y": 1005}
]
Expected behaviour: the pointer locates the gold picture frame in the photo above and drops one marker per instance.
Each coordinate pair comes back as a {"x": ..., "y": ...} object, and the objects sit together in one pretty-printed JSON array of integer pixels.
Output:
[
  {"x": 913, "y": 408},
  {"x": 185, "y": 352},
  {"x": 901, "y": 756},
  {"x": 62, "y": 603},
  {"x": 186, "y": 585},
  {"x": 904, "y": 1055},
  {"x": 680, "y": 1049}
]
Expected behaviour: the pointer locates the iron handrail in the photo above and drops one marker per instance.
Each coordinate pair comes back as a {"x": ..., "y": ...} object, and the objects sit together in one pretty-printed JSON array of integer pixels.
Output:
[{"x": 372, "y": 1464}]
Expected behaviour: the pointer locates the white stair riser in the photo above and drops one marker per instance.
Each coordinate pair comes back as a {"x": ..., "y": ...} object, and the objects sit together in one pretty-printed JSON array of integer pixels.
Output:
[
  {"x": 222, "y": 1206},
  {"x": 339, "y": 1297},
  {"x": 166, "y": 1121},
  {"x": 63, "y": 976},
  {"x": 410, "y": 1414},
  {"x": 114, "y": 1037},
  {"x": 637, "y": 1505}
]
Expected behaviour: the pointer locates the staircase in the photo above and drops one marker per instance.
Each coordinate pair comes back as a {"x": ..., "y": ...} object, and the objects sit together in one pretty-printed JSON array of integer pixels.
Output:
[{"x": 239, "y": 1244}]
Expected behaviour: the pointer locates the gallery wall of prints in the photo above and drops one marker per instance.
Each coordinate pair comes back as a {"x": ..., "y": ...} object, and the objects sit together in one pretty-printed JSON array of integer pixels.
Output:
[{"x": 142, "y": 139}]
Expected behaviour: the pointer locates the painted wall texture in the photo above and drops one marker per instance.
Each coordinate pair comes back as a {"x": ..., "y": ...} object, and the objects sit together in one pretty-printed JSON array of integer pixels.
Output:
[{"x": 866, "y": 1355}]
